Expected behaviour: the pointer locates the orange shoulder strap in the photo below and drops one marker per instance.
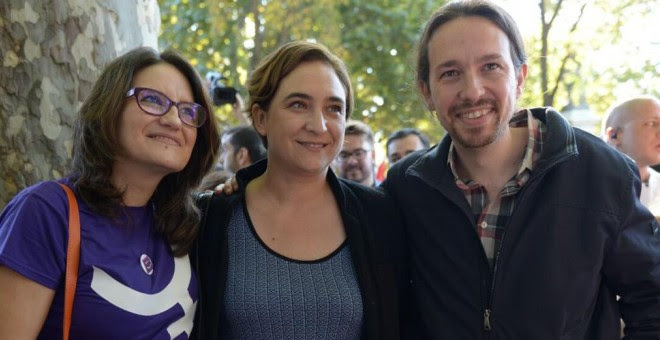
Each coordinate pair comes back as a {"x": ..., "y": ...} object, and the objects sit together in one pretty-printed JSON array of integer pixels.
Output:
[{"x": 72, "y": 260}]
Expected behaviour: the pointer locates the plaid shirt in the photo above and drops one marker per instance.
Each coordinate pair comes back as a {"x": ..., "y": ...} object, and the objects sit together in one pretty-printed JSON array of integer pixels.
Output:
[{"x": 491, "y": 217}]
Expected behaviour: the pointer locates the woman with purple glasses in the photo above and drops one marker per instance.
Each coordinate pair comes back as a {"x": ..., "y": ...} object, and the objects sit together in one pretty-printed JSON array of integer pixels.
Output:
[{"x": 144, "y": 139}]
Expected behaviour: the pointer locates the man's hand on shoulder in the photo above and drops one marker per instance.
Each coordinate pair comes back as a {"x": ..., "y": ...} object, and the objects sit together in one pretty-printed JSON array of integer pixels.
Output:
[{"x": 229, "y": 187}]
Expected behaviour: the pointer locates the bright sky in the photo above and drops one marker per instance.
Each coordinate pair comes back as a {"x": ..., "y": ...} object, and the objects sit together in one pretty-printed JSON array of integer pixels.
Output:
[
  {"x": 527, "y": 13},
  {"x": 641, "y": 38}
]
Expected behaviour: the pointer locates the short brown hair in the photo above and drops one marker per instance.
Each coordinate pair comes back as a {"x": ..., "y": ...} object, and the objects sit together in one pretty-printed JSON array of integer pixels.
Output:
[
  {"x": 96, "y": 147},
  {"x": 358, "y": 128},
  {"x": 477, "y": 8},
  {"x": 267, "y": 76}
]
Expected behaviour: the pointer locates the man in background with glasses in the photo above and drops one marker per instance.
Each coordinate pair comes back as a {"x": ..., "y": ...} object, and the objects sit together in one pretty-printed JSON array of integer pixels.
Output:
[{"x": 356, "y": 159}]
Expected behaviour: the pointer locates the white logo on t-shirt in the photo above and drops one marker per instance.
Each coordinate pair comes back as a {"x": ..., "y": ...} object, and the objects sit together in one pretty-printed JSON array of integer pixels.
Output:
[{"x": 139, "y": 303}]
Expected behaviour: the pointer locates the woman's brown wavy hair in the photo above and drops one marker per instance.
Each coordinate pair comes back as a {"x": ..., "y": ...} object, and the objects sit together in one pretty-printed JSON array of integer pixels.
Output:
[{"x": 96, "y": 147}]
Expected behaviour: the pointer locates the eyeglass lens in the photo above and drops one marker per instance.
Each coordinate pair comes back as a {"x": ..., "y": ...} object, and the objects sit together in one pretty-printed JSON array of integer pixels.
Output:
[
  {"x": 358, "y": 154},
  {"x": 158, "y": 104}
]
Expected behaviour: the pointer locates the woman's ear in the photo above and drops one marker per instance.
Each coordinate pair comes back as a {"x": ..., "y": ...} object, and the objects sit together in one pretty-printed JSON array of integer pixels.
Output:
[{"x": 259, "y": 119}]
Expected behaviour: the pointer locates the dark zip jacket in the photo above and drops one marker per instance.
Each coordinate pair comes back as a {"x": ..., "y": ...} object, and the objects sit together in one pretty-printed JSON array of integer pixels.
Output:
[
  {"x": 578, "y": 236},
  {"x": 374, "y": 231}
]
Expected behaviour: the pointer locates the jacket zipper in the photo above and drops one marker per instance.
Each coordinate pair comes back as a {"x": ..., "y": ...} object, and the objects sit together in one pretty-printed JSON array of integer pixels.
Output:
[
  {"x": 487, "y": 320},
  {"x": 488, "y": 309}
]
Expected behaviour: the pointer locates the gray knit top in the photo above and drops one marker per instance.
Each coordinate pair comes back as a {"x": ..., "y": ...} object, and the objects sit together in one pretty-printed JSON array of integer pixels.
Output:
[{"x": 269, "y": 296}]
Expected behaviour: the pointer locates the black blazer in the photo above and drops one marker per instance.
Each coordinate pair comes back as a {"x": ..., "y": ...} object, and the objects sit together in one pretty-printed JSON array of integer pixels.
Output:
[{"x": 374, "y": 230}]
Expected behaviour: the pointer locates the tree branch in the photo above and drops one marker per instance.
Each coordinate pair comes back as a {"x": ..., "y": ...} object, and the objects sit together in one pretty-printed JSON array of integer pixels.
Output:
[
  {"x": 554, "y": 15},
  {"x": 578, "y": 18},
  {"x": 256, "y": 52},
  {"x": 562, "y": 70},
  {"x": 550, "y": 98}
]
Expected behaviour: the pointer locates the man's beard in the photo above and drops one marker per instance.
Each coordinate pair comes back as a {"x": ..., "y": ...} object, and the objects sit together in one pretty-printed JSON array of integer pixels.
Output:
[
  {"x": 473, "y": 137},
  {"x": 355, "y": 171}
]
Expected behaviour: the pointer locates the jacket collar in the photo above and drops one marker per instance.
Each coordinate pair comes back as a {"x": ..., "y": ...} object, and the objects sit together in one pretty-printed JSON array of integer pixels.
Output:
[
  {"x": 559, "y": 144},
  {"x": 247, "y": 174}
]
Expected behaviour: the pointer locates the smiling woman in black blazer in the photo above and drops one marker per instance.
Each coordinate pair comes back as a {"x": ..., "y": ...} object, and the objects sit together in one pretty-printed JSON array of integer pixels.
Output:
[{"x": 296, "y": 252}]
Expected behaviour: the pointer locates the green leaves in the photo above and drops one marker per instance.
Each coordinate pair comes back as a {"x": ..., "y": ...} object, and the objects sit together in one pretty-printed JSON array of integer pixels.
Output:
[{"x": 376, "y": 39}]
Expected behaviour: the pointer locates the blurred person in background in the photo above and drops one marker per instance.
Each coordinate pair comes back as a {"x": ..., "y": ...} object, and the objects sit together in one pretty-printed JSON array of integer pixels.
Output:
[
  {"x": 633, "y": 127},
  {"x": 403, "y": 142},
  {"x": 240, "y": 146},
  {"x": 357, "y": 158}
]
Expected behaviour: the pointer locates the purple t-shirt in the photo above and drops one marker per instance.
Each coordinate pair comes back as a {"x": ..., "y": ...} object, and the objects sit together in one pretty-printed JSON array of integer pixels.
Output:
[{"x": 130, "y": 286}]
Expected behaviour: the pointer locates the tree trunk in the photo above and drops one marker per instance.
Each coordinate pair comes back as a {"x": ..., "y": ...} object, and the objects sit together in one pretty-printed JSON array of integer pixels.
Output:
[{"x": 51, "y": 52}]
